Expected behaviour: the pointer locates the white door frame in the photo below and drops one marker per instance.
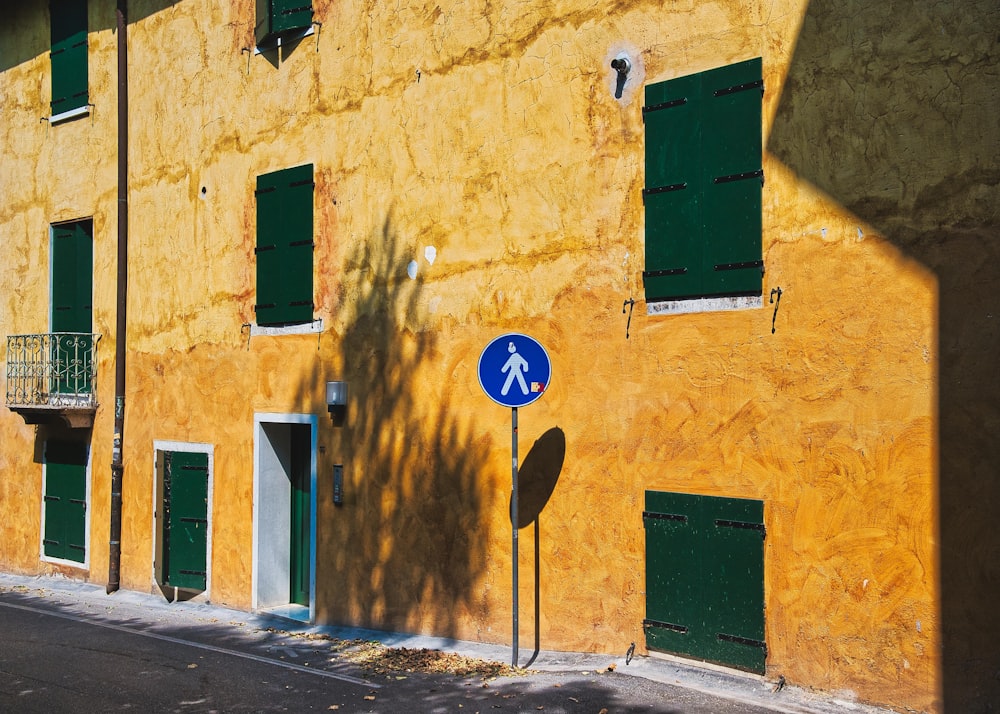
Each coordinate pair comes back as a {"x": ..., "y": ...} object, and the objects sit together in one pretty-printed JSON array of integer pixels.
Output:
[{"x": 262, "y": 480}]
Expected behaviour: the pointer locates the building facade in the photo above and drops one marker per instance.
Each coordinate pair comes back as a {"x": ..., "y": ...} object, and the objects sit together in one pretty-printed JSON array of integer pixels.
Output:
[{"x": 758, "y": 242}]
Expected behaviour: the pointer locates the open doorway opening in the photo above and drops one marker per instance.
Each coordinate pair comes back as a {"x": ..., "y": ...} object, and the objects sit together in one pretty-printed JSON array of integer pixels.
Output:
[{"x": 284, "y": 513}]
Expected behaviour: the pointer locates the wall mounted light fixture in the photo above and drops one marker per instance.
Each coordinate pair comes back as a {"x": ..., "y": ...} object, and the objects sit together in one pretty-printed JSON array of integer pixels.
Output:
[{"x": 336, "y": 401}]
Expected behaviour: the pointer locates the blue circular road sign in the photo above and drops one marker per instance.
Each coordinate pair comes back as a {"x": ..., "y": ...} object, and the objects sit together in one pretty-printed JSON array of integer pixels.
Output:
[{"x": 514, "y": 370}]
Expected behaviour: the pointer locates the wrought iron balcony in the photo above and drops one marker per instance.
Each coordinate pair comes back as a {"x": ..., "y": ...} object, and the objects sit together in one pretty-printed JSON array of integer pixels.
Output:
[{"x": 53, "y": 375}]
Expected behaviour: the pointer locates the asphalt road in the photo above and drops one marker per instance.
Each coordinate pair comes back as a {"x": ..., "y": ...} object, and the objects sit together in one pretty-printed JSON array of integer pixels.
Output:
[{"x": 58, "y": 653}]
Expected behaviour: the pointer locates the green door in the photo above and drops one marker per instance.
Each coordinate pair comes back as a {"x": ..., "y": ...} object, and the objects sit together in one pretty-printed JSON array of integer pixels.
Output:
[
  {"x": 185, "y": 519},
  {"x": 299, "y": 475},
  {"x": 705, "y": 578},
  {"x": 65, "y": 501},
  {"x": 72, "y": 288}
]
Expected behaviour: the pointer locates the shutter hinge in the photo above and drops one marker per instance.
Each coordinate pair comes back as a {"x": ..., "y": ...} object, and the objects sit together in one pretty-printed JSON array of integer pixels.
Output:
[
  {"x": 663, "y": 105},
  {"x": 742, "y": 266},
  {"x": 663, "y": 273},
  {"x": 740, "y": 87},
  {"x": 663, "y": 189},
  {"x": 664, "y": 625},
  {"x": 759, "y": 173}
]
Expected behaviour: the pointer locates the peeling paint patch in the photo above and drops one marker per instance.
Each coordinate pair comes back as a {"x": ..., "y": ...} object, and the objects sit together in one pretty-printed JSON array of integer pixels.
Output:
[
  {"x": 430, "y": 254},
  {"x": 678, "y": 307},
  {"x": 411, "y": 269}
]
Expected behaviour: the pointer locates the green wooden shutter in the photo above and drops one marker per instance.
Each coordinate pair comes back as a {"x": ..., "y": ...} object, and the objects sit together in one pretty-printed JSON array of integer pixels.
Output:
[
  {"x": 285, "y": 246},
  {"x": 65, "y": 500},
  {"x": 731, "y": 155},
  {"x": 277, "y": 16},
  {"x": 185, "y": 506},
  {"x": 72, "y": 283},
  {"x": 702, "y": 194},
  {"x": 72, "y": 310},
  {"x": 672, "y": 198},
  {"x": 705, "y": 578},
  {"x": 68, "y": 54},
  {"x": 291, "y": 14}
]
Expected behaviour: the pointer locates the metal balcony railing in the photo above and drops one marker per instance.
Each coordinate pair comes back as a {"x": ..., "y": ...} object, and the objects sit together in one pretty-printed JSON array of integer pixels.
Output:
[{"x": 52, "y": 370}]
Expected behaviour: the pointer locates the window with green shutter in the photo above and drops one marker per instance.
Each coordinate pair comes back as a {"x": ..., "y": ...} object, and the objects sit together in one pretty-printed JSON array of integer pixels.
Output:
[
  {"x": 65, "y": 501},
  {"x": 68, "y": 56},
  {"x": 285, "y": 247},
  {"x": 72, "y": 306},
  {"x": 277, "y": 18},
  {"x": 703, "y": 184}
]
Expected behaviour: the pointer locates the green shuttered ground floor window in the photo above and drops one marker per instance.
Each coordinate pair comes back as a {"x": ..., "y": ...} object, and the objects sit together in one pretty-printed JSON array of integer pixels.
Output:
[
  {"x": 705, "y": 578},
  {"x": 65, "y": 501}
]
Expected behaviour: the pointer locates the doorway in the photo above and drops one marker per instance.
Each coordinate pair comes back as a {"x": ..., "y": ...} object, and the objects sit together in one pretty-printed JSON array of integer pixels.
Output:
[
  {"x": 285, "y": 514},
  {"x": 705, "y": 578},
  {"x": 182, "y": 498}
]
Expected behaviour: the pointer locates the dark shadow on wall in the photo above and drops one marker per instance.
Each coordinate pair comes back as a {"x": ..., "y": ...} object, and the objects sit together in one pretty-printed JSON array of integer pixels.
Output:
[
  {"x": 407, "y": 548},
  {"x": 28, "y": 22},
  {"x": 24, "y": 33},
  {"x": 892, "y": 110},
  {"x": 537, "y": 477}
]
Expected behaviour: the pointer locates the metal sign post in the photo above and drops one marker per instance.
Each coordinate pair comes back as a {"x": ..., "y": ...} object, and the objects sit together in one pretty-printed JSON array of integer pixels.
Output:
[
  {"x": 514, "y": 524},
  {"x": 514, "y": 371}
]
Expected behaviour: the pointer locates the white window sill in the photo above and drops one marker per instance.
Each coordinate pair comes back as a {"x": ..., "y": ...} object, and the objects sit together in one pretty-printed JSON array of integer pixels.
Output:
[
  {"x": 306, "y": 328},
  {"x": 71, "y": 114},
  {"x": 716, "y": 304},
  {"x": 280, "y": 40},
  {"x": 66, "y": 563}
]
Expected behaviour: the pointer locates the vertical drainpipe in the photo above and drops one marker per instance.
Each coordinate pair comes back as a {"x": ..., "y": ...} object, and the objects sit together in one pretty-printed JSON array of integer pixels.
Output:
[{"x": 117, "y": 468}]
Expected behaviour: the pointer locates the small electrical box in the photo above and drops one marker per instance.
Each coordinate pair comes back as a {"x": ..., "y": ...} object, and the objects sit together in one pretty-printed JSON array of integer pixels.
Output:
[{"x": 338, "y": 484}]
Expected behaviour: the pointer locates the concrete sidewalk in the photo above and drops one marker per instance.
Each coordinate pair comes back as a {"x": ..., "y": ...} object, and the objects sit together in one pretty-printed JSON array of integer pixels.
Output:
[{"x": 711, "y": 681}]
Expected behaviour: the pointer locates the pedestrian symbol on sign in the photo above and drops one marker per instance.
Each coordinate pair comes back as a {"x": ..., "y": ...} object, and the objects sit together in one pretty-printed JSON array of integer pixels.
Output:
[{"x": 513, "y": 367}]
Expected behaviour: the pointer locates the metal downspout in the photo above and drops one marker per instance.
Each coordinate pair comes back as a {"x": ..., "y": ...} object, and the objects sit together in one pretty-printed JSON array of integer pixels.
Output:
[{"x": 117, "y": 468}]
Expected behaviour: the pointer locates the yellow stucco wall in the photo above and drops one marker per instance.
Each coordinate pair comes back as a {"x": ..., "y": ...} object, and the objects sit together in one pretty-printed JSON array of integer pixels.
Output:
[{"x": 482, "y": 141}]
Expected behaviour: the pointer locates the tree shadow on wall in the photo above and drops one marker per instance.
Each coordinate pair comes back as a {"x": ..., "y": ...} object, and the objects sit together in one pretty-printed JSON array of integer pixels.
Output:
[
  {"x": 891, "y": 110},
  {"x": 408, "y": 546}
]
